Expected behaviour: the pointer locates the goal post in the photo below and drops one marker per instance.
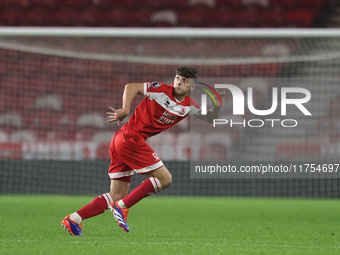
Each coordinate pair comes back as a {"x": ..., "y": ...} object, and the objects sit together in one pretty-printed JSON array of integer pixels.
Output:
[{"x": 57, "y": 84}]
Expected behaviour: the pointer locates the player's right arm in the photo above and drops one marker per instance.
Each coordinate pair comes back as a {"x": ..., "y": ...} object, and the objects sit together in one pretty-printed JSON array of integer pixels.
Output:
[{"x": 130, "y": 91}]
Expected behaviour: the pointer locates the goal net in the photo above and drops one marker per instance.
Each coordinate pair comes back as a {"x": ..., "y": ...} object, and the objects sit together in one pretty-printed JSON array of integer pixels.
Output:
[{"x": 57, "y": 84}]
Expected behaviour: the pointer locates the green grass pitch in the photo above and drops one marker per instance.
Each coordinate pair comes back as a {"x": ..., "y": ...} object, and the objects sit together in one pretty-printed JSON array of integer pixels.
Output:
[{"x": 174, "y": 225}]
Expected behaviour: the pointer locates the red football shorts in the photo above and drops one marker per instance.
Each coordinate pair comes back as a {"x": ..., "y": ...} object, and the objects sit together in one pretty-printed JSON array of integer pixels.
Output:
[{"x": 131, "y": 154}]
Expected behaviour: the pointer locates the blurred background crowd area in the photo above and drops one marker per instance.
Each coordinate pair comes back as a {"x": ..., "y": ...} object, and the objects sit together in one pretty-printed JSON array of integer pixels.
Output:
[
  {"x": 55, "y": 90},
  {"x": 169, "y": 13},
  {"x": 58, "y": 89}
]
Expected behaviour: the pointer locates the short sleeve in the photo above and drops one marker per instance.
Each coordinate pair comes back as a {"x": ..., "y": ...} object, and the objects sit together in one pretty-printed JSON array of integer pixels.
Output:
[{"x": 151, "y": 89}]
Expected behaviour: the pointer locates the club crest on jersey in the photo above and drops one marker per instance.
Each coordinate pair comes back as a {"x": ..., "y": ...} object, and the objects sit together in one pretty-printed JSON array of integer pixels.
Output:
[
  {"x": 182, "y": 110},
  {"x": 154, "y": 85}
]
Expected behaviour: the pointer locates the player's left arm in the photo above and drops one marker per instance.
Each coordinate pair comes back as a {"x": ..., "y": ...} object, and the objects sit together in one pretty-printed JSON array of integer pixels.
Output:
[
  {"x": 213, "y": 113},
  {"x": 130, "y": 91}
]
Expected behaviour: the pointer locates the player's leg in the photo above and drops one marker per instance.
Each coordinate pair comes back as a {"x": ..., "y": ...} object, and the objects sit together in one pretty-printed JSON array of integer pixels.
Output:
[
  {"x": 144, "y": 160},
  {"x": 158, "y": 180},
  {"x": 163, "y": 175},
  {"x": 138, "y": 155},
  {"x": 72, "y": 222},
  {"x": 118, "y": 189},
  {"x": 99, "y": 205}
]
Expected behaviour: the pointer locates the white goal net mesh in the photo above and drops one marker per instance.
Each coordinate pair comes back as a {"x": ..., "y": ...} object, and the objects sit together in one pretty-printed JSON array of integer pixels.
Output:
[{"x": 55, "y": 90}]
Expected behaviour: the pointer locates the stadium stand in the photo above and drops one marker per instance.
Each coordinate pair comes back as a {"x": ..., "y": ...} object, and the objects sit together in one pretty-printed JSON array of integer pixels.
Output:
[
  {"x": 149, "y": 13},
  {"x": 63, "y": 99}
]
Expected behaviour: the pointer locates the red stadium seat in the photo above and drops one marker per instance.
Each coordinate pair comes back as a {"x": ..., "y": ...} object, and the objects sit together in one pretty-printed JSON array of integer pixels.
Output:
[
  {"x": 24, "y": 102},
  {"x": 269, "y": 70},
  {"x": 256, "y": 3},
  {"x": 37, "y": 16},
  {"x": 12, "y": 16},
  {"x": 57, "y": 135},
  {"x": 299, "y": 18},
  {"x": 310, "y": 4},
  {"x": 39, "y": 85},
  {"x": 273, "y": 17},
  {"x": 126, "y": 4},
  {"x": 3, "y": 103},
  {"x": 87, "y": 17},
  {"x": 249, "y": 17},
  {"x": 216, "y": 146},
  {"x": 15, "y": 3},
  {"x": 329, "y": 125},
  {"x": 42, "y": 119},
  {"x": 114, "y": 18},
  {"x": 206, "y": 3},
  {"x": 75, "y": 104},
  {"x": 64, "y": 16},
  {"x": 174, "y": 5},
  {"x": 5, "y": 4},
  {"x": 334, "y": 107},
  {"x": 140, "y": 18},
  {"x": 44, "y": 3},
  {"x": 229, "y": 3},
  {"x": 287, "y": 4},
  {"x": 196, "y": 17},
  {"x": 226, "y": 17},
  {"x": 150, "y": 4},
  {"x": 78, "y": 4}
]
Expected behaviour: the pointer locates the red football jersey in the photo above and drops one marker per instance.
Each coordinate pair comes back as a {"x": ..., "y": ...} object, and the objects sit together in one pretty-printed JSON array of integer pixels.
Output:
[{"x": 159, "y": 110}]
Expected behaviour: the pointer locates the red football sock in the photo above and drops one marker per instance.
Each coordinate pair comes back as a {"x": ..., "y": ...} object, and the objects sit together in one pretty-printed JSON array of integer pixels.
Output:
[
  {"x": 145, "y": 189},
  {"x": 98, "y": 205}
]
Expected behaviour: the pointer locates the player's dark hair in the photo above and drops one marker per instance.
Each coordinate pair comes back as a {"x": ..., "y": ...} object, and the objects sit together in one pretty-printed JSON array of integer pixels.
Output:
[{"x": 187, "y": 72}]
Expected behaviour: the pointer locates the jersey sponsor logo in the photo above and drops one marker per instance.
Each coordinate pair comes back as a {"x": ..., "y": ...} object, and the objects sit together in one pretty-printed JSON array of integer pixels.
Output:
[
  {"x": 167, "y": 118},
  {"x": 154, "y": 85}
]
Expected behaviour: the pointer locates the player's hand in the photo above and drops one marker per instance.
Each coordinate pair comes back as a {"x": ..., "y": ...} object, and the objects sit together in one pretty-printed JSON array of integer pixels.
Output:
[
  {"x": 221, "y": 95},
  {"x": 116, "y": 115}
]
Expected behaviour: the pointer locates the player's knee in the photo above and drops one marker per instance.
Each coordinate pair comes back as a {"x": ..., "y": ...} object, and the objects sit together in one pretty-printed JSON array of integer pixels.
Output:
[
  {"x": 119, "y": 189},
  {"x": 117, "y": 196},
  {"x": 166, "y": 181}
]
